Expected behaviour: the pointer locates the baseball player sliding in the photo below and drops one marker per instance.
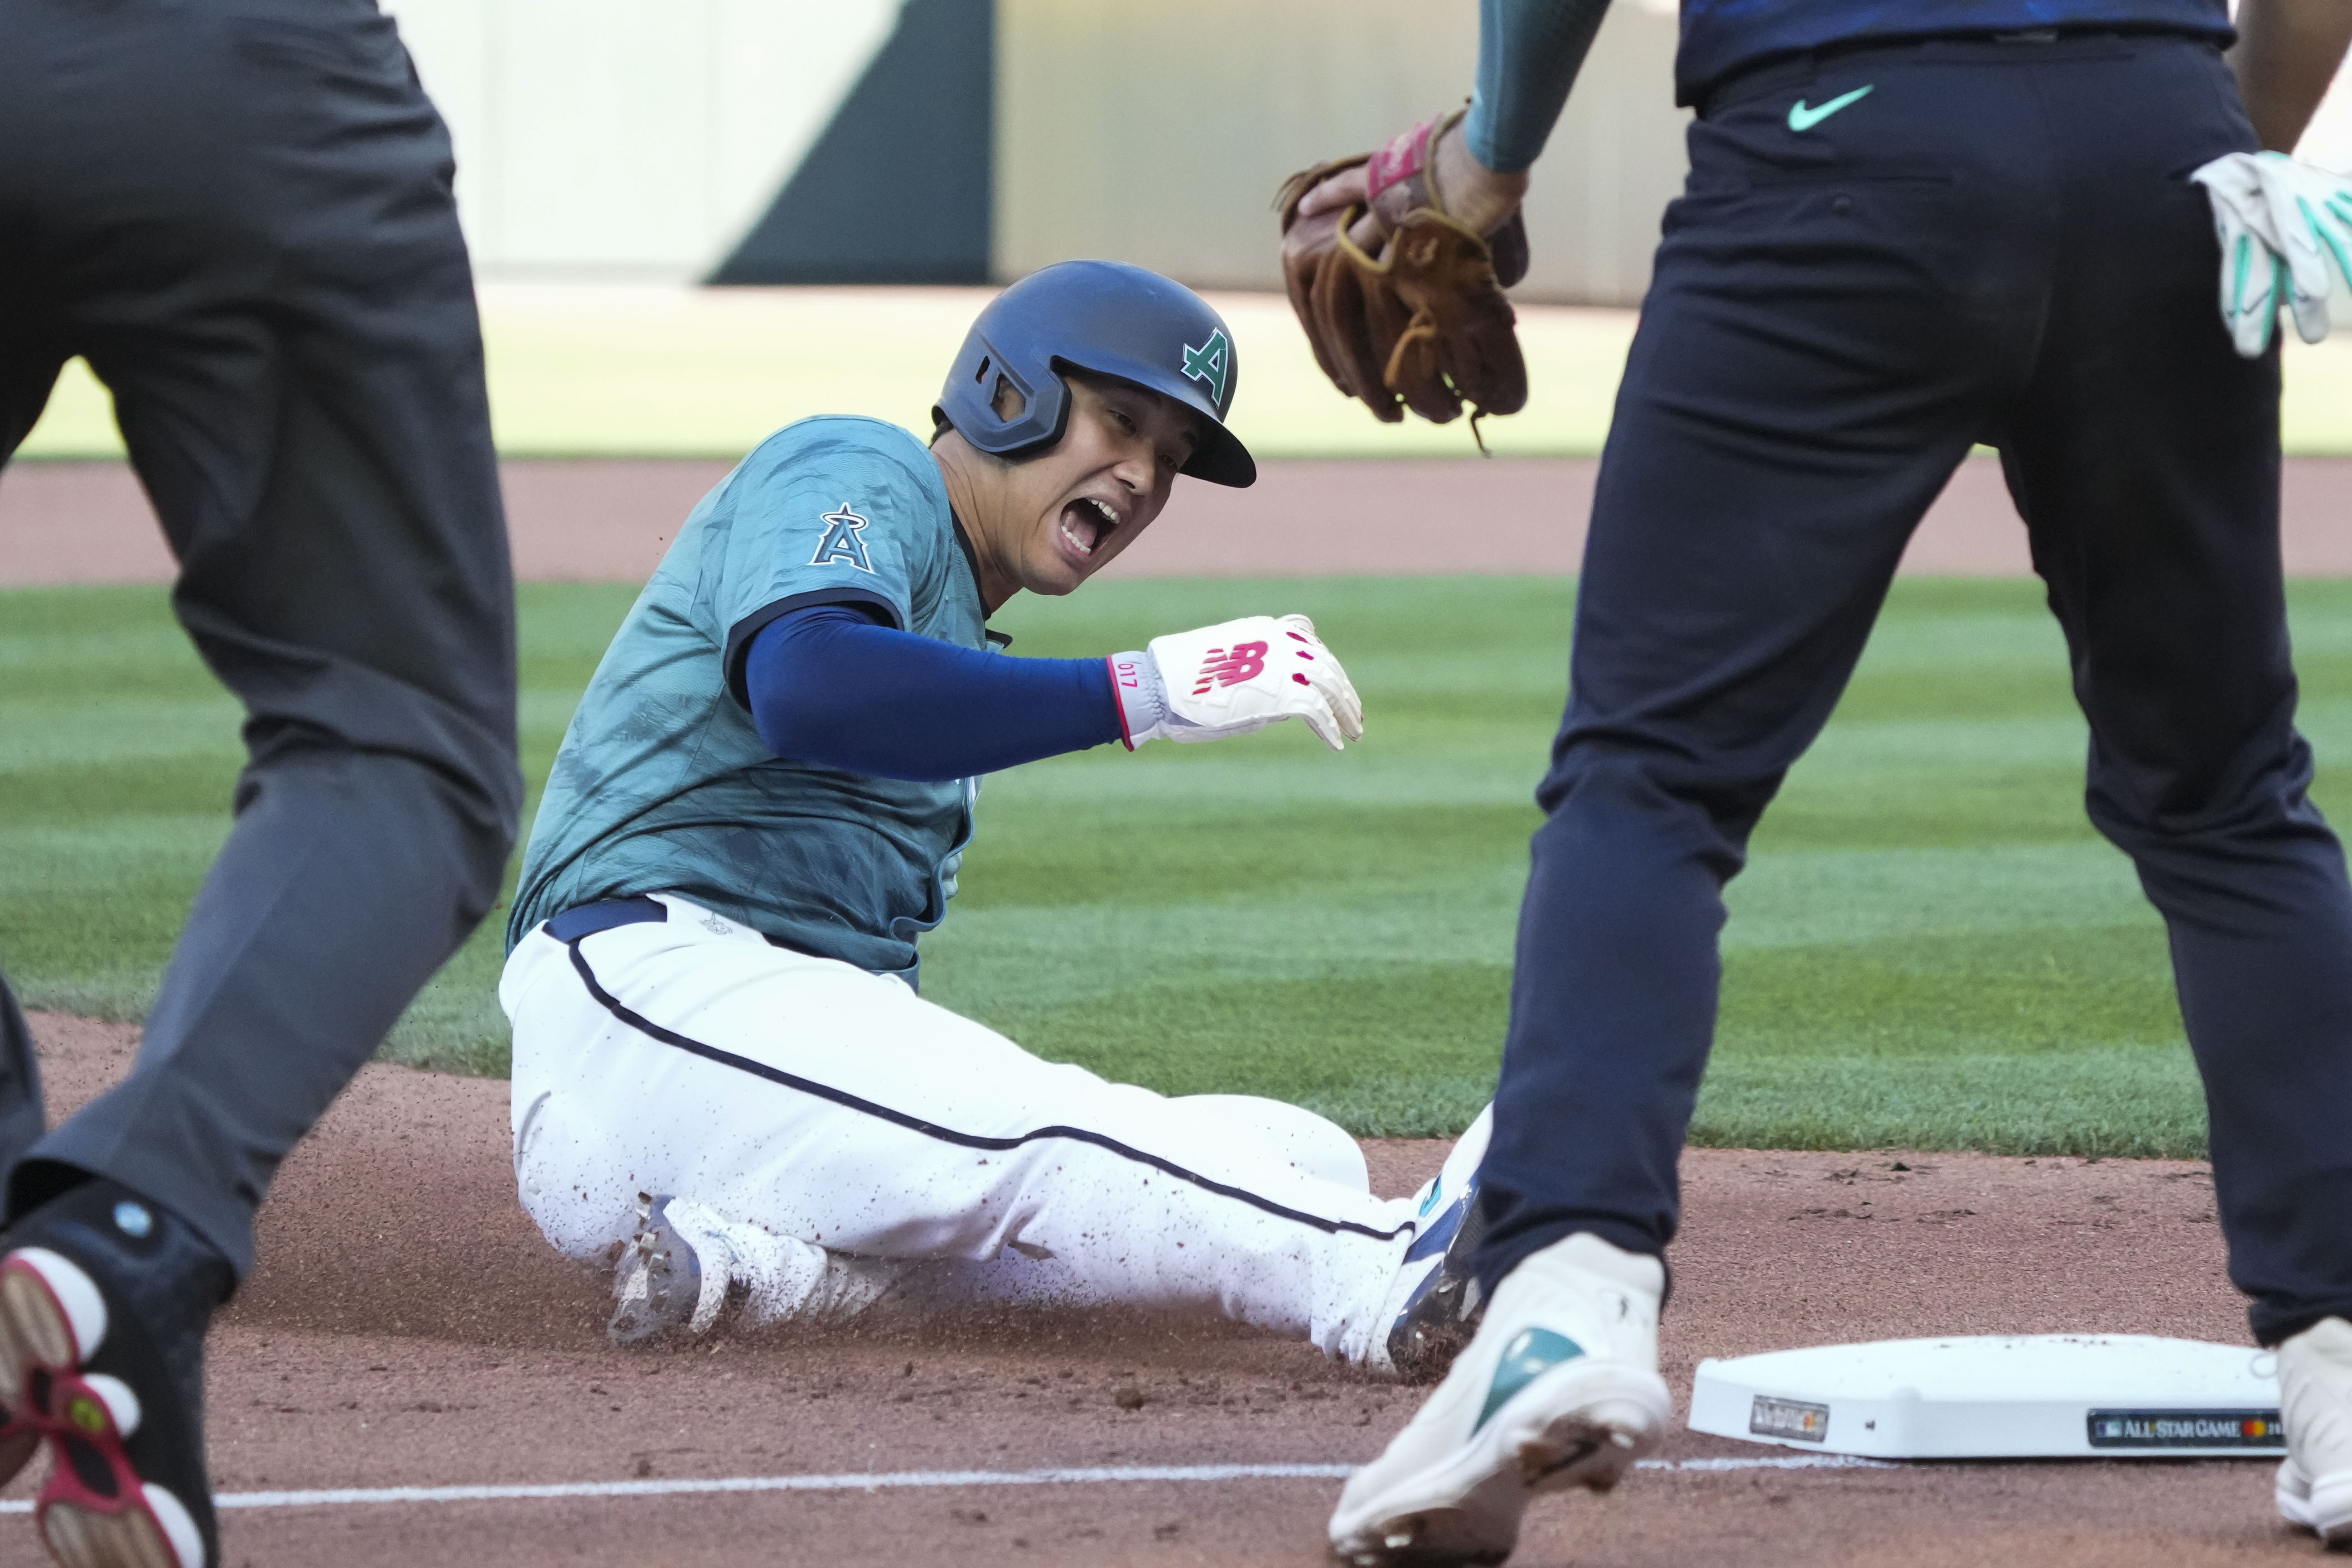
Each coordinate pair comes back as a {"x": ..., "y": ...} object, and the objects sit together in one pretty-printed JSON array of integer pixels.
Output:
[
  {"x": 1908, "y": 229},
  {"x": 723, "y": 1075}
]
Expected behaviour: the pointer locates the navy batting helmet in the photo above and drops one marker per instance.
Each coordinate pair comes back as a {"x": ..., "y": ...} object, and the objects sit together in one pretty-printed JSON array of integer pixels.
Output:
[{"x": 1109, "y": 319}]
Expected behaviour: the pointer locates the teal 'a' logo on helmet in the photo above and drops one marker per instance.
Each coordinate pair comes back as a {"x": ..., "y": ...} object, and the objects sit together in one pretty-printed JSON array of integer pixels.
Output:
[{"x": 1211, "y": 364}]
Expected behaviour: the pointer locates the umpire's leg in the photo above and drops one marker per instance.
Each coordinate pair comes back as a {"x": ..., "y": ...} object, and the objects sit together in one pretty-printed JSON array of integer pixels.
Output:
[
  {"x": 257, "y": 250},
  {"x": 2144, "y": 457},
  {"x": 29, "y": 361}
]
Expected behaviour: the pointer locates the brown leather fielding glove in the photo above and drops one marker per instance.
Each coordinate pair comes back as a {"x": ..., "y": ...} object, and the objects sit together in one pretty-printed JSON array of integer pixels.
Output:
[{"x": 1424, "y": 324}]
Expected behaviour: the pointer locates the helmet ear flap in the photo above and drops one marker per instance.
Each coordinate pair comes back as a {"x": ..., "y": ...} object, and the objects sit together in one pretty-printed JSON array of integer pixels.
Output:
[
  {"x": 1002, "y": 405},
  {"x": 1049, "y": 407}
]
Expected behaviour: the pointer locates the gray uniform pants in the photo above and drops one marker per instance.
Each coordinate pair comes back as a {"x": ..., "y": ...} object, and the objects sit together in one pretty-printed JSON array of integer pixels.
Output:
[{"x": 239, "y": 210}]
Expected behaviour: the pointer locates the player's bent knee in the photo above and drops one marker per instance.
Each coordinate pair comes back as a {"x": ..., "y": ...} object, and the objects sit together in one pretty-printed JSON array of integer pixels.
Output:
[{"x": 1287, "y": 1134}]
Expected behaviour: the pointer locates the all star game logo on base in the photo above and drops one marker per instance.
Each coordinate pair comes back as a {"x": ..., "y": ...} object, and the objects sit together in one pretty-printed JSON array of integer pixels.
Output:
[
  {"x": 1790, "y": 1419},
  {"x": 2256, "y": 1429}
]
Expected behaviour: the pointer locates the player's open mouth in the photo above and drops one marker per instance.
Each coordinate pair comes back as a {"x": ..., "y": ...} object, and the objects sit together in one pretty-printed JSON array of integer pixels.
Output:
[{"x": 1086, "y": 523}]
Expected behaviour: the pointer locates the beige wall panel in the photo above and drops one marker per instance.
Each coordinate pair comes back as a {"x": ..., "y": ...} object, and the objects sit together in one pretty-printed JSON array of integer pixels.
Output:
[
  {"x": 1157, "y": 131},
  {"x": 614, "y": 138}
]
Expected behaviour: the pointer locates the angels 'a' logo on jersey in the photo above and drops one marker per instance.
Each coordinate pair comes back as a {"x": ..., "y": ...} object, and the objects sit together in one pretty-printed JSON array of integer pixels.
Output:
[
  {"x": 1230, "y": 667},
  {"x": 842, "y": 540}
]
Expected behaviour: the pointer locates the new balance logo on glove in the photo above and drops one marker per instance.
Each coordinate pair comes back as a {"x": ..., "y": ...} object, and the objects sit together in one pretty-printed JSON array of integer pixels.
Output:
[
  {"x": 1245, "y": 661},
  {"x": 1238, "y": 684}
]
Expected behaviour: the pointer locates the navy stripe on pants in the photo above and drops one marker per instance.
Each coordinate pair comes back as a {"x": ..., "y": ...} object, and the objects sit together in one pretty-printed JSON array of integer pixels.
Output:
[{"x": 1996, "y": 243}]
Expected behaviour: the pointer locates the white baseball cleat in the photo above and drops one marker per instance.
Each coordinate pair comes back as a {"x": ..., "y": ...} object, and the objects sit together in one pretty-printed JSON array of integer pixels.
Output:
[
  {"x": 2315, "y": 1480},
  {"x": 673, "y": 1275},
  {"x": 1432, "y": 1304},
  {"x": 1558, "y": 1388}
]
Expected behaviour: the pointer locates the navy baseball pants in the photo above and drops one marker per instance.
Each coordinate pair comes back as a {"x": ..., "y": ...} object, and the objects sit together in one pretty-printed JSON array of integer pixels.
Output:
[
  {"x": 1996, "y": 242},
  {"x": 242, "y": 215}
]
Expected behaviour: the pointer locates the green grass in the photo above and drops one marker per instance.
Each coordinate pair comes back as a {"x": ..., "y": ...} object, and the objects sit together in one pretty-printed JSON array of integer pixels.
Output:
[{"x": 1930, "y": 948}]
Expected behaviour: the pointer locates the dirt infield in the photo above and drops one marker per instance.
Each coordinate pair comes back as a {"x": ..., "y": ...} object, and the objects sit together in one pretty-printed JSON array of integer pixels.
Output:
[
  {"x": 598, "y": 520},
  {"x": 407, "y": 1328}
]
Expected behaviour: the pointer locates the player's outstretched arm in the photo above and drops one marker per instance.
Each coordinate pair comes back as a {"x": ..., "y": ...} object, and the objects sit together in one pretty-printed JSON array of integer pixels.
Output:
[
  {"x": 827, "y": 686},
  {"x": 1231, "y": 678}
]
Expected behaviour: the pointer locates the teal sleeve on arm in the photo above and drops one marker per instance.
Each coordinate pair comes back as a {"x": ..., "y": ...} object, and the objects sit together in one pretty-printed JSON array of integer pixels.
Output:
[{"x": 1529, "y": 53}]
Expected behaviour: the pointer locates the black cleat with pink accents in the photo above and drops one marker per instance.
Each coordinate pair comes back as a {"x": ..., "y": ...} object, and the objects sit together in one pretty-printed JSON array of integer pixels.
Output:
[{"x": 104, "y": 1298}]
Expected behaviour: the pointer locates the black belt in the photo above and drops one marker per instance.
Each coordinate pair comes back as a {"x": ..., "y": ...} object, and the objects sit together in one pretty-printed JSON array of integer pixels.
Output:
[
  {"x": 1774, "y": 70},
  {"x": 587, "y": 920}
]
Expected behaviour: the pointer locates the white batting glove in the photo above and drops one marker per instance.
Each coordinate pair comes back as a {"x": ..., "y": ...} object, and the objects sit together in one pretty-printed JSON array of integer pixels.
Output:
[
  {"x": 2286, "y": 236},
  {"x": 1231, "y": 678}
]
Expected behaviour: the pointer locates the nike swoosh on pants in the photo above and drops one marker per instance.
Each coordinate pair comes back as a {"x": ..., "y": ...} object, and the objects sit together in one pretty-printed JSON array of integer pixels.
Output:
[{"x": 1803, "y": 119}]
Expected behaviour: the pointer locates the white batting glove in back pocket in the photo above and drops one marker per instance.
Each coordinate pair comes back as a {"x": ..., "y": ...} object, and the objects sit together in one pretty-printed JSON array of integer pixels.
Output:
[
  {"x": 1233, "y": 678},
  {"x": 2286, "y": 229}
]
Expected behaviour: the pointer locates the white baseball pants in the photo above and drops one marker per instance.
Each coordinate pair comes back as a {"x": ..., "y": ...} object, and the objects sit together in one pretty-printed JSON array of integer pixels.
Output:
[{"x": 803, "y": 1103}]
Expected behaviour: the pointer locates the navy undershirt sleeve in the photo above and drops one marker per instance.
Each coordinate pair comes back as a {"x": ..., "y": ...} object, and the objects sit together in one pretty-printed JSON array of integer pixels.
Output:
[
  {"x": 830, "y": 687},
  {"x": 1529, "y": 53}
]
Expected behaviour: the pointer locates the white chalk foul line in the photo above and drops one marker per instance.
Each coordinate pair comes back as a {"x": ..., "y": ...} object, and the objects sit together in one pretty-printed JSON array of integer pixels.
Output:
[
  {"x": 1779, "y": 1462},
  {"x": 880, "y": 1480}
]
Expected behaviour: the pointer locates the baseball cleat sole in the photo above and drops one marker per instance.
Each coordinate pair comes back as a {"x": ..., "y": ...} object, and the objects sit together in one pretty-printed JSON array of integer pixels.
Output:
[
  {"x": 19, "y": 1439},
  {"x": 2291, "y": 1491},
  {"x": 2322, "y": 1507},
  {"x": 674, "y": 1274},
  {"x": 1438, "y": 1318},
  {"x": 51, "y": 1314},
  {"x": 94, "y": 1511},
  {"x": 1467, "y": 1510},
  {"x": 1433, "y": 1306},
  {"x": 158, "y": 1535}
]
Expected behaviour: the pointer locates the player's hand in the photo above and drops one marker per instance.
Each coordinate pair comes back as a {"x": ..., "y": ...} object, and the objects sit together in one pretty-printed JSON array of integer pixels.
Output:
[
  {"x": 1482, "y": 199},
  {"x": 2286, "y": 229},
  {"x": 1233, "y": 678},
  {"x": 1401, "y": 294}
]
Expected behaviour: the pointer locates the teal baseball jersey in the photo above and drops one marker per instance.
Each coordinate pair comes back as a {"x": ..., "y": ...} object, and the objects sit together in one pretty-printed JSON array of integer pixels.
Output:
[{"x": 662, "y": 784}]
